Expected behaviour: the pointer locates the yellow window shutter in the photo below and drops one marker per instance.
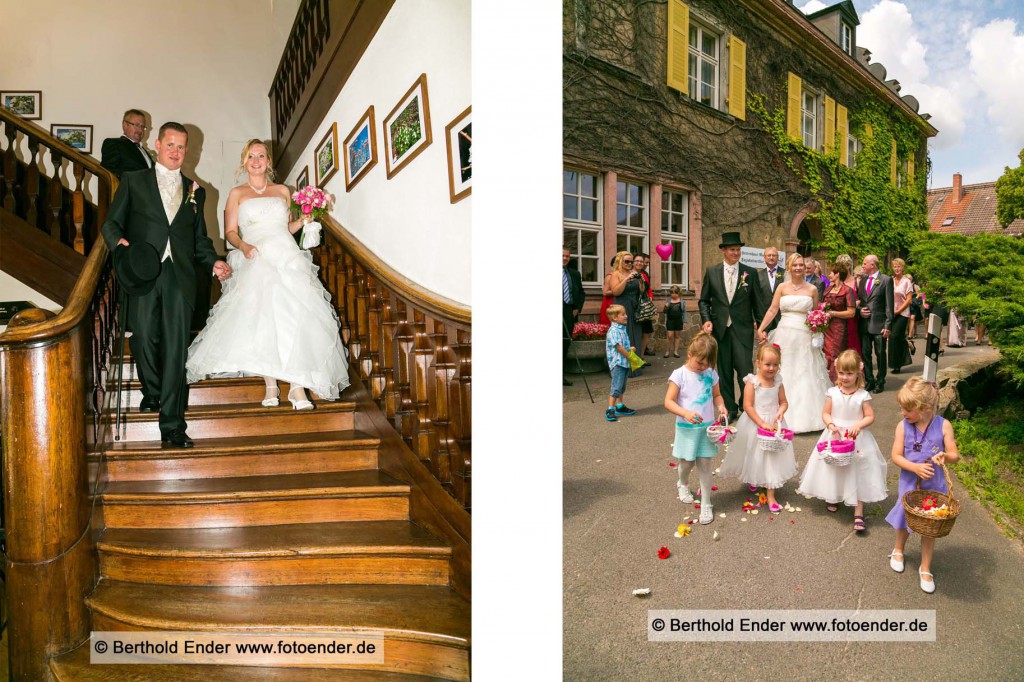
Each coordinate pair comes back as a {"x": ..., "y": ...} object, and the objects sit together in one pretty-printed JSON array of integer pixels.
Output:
[
  {"x": 843, "y": 124},
  {"x": 830, "y": 124},
  {"x": 910, "y": 170},
  {"x": 678, "y": 46},
  {"x": 794, "y": 120},
  {"x": 892, "y": 163},
  {"x": 737, "y": 78}
]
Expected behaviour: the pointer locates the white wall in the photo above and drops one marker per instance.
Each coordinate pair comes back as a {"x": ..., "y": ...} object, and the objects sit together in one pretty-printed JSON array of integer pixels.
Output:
[
  {"x": 207, "y": 64},
  {"x": 13, "y": 290},
  {"x": 408, "y": 221}
]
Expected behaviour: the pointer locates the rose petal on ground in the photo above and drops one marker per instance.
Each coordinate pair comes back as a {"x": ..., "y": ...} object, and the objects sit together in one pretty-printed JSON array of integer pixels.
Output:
[
  {"x": 743, "y": 520},
  {"x": 642, "y": 592},
  {"x": 753, "y": 511},
  {"x": 722, "y": 515},
  {"x": 715, "y": 536},
  {"x": 799, "y": 509}
]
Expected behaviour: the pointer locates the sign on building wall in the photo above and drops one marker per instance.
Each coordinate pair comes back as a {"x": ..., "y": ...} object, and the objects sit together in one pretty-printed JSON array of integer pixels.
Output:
[{"x": 755, "y": 257}]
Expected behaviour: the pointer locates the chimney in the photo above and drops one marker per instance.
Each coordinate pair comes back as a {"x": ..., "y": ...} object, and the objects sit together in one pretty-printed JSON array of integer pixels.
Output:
[{"x": 958, "y": 188}]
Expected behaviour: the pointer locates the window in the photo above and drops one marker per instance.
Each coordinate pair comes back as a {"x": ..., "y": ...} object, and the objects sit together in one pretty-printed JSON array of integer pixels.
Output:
[
  {"x": 809, "y": 115},
  {"x": 846, "y": 38},
  {"x": 852, "y": 149},
  {"x": 703, "y": 65},
  {"x": 581, "y": 222},
  {"x": 631, "y": 217},
  {"x": 904, "y": 175},
  {"x": 675, "y": 230},
  {"x": 948, "y": 221}
]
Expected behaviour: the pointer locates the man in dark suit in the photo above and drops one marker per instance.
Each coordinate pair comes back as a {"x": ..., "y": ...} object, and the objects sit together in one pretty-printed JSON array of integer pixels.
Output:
[
  {"x": 814, "y": 278},
  {"x": 163, "y": 208},
  {"x": 769, "y": 279},
  {"x": 731, "y": 307},
  {"x": 875, "y": 293},
  {"x": 127, "y": 153},
  {"x": 572, "y": 304}
]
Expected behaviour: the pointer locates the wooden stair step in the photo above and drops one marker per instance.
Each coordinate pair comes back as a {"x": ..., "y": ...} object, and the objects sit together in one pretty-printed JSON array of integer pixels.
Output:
[
  {"x": 297, "y": 453},
  {"x": 358, "y": 552},
  {"x": 244, "y": 419},
  {"x": 74, "y": 666},
  {"x": 368, "y": 495},
  {"x": 207, "y": 392},
  {"x": 426, "y": 629}
]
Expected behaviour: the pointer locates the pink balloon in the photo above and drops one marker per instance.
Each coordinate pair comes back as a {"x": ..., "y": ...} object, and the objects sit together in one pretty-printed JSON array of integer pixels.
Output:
[{"x": 664, "y": 250}]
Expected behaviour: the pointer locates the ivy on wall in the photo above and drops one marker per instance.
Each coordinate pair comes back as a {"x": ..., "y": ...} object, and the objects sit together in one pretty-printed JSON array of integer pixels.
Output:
[{"x": 861, "y": 211}]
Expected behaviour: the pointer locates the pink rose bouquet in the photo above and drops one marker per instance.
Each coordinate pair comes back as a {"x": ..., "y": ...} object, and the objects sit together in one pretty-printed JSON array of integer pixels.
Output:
[{"x": 313, "y": 202}]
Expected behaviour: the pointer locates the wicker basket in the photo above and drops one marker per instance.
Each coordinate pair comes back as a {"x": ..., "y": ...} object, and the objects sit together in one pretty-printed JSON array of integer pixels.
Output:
[
  {"x": 721, "y": 432},
  {"x": 774, "y": 441},
  {"x": 838, "y": 453},
  {"x": 925, "y": 525}
]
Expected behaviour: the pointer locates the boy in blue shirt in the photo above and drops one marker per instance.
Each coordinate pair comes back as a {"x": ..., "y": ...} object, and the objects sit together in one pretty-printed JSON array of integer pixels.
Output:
[{"x": 617, "y": 350}]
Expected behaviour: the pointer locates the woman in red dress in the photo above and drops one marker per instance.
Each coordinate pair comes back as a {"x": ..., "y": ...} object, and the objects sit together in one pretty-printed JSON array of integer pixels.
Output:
[
  {"x": 852, "y": 332},
  {"x": 840, "y": 300}
]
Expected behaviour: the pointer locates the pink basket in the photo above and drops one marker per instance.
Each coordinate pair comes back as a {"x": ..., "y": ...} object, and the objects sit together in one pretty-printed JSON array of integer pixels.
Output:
[
  {"x": 838, "y": 453},
  {"x": 774, "y": 440},
  {"x": 785, "y": 434},
  {"x": 840, "y": 447}
]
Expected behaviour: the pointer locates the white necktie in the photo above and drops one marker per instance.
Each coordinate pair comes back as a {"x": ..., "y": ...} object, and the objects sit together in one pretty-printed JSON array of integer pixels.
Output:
[
  {"x": 730, "y": 282},
  {"x": 170, "y": 194}
]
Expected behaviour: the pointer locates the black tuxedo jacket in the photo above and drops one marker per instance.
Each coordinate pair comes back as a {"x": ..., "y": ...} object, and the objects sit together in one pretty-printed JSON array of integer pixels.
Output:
[
  {"x": 120, "y": 155},
  {"x": 746, "y": 308},
  {"x": 819, "y": 284},
  {"x": 137, "y": 214},
  {"x": 766, "y": 289},
  {"x": 575, "y": 288},
  {"x": 878, "y": 302}
]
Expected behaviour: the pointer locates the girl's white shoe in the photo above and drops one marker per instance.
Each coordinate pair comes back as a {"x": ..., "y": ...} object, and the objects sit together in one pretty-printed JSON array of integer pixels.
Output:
[
  {"x": 926, "y": 585},
  {"x": 685, "y": 496},
  {"x": 894, "y": 563},
  {"x": 707, "y": 515}
]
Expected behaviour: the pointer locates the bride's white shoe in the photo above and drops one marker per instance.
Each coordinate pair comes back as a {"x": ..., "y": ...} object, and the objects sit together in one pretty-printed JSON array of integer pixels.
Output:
[
  {"x": 272, "y": 397},
  {"x": 297, "y": 397}
]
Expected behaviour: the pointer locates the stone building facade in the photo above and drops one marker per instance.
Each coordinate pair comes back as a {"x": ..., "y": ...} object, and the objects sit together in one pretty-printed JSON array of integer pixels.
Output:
[{"x": 660, "y": 142}]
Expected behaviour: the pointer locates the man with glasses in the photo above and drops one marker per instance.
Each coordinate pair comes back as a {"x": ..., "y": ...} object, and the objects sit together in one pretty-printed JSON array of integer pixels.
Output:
[{"x": 127, "y": 153}]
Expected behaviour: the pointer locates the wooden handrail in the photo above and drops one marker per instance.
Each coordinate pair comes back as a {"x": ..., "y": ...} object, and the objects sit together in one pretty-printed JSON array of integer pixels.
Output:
[{"x": 43, "y": 135}]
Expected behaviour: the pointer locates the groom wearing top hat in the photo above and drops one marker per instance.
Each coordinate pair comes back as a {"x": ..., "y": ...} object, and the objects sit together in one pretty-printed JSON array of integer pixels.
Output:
[
  {"x": 731, "y": 307},
  {"x": 164, "y": 209}
]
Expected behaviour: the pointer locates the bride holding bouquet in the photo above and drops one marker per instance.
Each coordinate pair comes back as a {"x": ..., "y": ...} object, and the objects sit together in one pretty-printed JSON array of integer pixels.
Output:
[{"x": 274, "y": 318}]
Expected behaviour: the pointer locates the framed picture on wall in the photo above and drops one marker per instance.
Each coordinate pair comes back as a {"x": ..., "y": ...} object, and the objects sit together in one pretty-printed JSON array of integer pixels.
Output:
[
  {"x": 360, "y": 150},
  {"x": 302, "y": 182},
  {"x": 73, "y": 135},
  {"x": 407, "y": 128},
  {"x": 25, "y": 103},
  {"x": 459, "y": 138},
  {"x": 326, "y": 155}
]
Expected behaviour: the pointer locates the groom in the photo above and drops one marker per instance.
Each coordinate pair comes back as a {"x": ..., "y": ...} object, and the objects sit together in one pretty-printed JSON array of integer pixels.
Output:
[
  {"x": 731, "y": 307},
  {"x": 163, "y": 208}
]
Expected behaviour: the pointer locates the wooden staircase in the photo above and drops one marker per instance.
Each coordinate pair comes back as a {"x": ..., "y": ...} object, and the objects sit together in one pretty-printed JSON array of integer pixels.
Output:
[{"x": 276, "y": 521}]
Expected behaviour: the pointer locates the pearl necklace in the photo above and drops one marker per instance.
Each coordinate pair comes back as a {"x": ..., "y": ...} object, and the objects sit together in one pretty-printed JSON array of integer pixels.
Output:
[{"x": 266, "y": 184}]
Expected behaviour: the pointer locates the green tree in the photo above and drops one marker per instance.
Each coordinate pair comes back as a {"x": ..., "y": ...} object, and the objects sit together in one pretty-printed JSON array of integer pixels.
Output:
[
  {"x": 1010, "y": 194},
  {"x": 983, "y": 276}
]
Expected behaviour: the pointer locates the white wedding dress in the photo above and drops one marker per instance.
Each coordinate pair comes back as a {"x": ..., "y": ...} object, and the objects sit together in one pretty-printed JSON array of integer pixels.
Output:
[
  {"x": 274, "y": 318},
  {"x": 803, "y": 365}
]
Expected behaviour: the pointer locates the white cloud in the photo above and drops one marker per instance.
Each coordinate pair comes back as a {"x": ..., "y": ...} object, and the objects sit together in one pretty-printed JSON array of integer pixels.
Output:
[
  {"x": 997, "y": 66},
  {"x": 812, "y": 7}
]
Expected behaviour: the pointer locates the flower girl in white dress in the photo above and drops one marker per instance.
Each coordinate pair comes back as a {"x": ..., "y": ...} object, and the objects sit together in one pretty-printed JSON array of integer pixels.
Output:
[
  {"x": 847, "y": 415},
  {"x": 764, "y": 405}
]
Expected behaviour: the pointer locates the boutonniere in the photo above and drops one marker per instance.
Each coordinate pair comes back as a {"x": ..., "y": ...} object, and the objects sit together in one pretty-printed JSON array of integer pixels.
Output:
[
  {"x": 778, "y": 274},
  {"x": 743, "y": 279},
  {"x": 192, "y": 195}
]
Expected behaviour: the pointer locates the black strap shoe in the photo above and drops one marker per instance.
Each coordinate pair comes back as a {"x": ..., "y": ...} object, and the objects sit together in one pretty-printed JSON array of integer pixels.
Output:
[
  {"x": 149, "y": 405},
  {"x": 177, "y": 439}
]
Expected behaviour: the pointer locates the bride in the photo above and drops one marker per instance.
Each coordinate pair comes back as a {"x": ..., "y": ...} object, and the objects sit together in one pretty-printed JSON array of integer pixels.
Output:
[
  {"x": 274, "y": 318},
  {"x": 803, "y": 365}
]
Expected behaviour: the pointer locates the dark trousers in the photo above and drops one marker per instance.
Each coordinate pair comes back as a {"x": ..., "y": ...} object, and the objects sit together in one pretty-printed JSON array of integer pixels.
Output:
[
  {"x": 876, "y": 343},
  {"x": 568, "y": 322},
  {"x": 734, "y": 356},
  {"x": 160, "y": 328},
  {"x": 899, "y": 356}
]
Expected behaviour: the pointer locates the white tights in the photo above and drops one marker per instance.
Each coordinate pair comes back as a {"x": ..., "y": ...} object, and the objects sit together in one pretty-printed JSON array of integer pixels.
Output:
[{"x": 703, "y": 474}]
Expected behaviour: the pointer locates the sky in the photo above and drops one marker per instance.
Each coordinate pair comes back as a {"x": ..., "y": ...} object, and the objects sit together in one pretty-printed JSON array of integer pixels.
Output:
[{"x": 964, "y": 61}]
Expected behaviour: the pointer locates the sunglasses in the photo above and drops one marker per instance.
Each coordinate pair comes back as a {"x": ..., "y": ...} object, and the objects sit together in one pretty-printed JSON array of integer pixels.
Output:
[{"x": 628, "y": 262}]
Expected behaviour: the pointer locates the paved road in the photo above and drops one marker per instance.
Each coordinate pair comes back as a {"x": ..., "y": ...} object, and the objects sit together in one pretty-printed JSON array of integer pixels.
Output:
[{"x": 620, "y": 507}]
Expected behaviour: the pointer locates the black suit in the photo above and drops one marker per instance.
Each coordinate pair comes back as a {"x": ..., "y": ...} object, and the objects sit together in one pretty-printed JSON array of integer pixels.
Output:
[
  {"x": 571, "y": 310},
  {"x": 160, "y": 320},
  {"x": 735, "y": 341},
  {"x": 767, "y": 292},
  {"x": 879, "y": 304},
  {"x": 121, "y": 155},
  {"x": 819, "y": 284}
]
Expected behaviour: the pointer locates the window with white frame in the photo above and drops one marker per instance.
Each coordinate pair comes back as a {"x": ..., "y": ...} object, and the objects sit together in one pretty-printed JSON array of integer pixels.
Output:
[
  {"x": 581, "y": 222},
  {"x": 631, "y": 217},
  {"x": 903, "y": 176},
  {"x": 705, "y": 47},
  {"x": 809, "y": 116},
  {"x": 675, "y": 230},
  {"x": 852, "y": 149},
  {"x": 846, "y": 38}
]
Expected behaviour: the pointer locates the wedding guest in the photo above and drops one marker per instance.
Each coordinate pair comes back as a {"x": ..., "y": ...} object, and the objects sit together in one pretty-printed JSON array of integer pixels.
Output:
[
  {"x": 902, "y": 295},
  {"x": 770, "y": 277},
  {"x": 813, "y": 278},
  {"x": 627, "y": 286},
  {"x": 572, "y": 304},
  {"x": 852, "y": 329},
  {"x": 640, "y": 263},
  {"x": 843, "y": 307},
  {"x": 127, "y": 153}
]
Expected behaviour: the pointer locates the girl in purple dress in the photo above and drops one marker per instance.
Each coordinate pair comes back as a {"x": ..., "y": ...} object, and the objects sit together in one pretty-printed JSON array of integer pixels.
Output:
[{"x": 923, "y": 442}]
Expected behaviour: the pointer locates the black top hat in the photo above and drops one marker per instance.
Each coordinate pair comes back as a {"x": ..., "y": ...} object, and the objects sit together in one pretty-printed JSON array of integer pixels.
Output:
[
  {"x": 730, "y": 239},
  {"x": 137, "y": 267}
]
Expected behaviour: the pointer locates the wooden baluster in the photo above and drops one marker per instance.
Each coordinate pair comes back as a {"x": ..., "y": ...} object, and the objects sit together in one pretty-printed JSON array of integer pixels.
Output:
[
  {"x": 32, "y": 183},
  {"x": 461, "y": 417},
  {"x": 78, "y": 209},
  {"x": 404, "y": 339},
  {"x": 391, "y": 397},
  {"x": 351, "y": 291},
  {"x": 445, "y": 367},
  {"x": 55, "y": 190},
  {"x": 421, "y": 388},
  {"x": 362, "y": 315},
  {"x": 338, "y": 281},
  {"x": 8, "y": 170},
  {"x": 376, "y": 375}
]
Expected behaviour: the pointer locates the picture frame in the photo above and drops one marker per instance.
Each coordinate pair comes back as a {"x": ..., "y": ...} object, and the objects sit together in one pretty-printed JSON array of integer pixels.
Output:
[
  {"x": 302, "y": 181},
  {"x": 407, "y": 128},
  {"x": 459, "y": 140},
  {"x": 360, "y": 150},
  {"x": 25, "y": 103},
  {"x": 325, "y": 157},
  {"x": 77, "y": 136}
]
